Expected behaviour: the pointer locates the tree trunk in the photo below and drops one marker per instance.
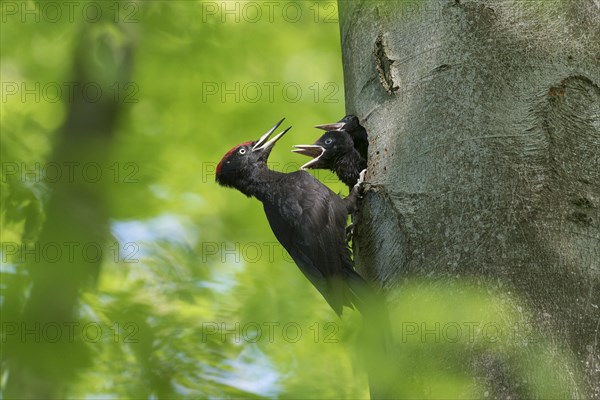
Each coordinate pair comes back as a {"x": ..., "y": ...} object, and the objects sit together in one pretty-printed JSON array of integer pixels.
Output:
[{"x": 484, "y": 172}]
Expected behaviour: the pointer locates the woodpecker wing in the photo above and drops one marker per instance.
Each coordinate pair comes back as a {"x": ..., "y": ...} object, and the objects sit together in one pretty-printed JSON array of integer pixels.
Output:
[{"x": 309, "y": 220}]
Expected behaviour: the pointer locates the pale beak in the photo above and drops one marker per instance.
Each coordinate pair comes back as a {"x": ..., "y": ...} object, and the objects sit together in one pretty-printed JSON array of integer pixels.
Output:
[
  {"x": 336, "y": 126},
  {"x": 311, "y": 150},
  {"x": 263, "y": 144}
]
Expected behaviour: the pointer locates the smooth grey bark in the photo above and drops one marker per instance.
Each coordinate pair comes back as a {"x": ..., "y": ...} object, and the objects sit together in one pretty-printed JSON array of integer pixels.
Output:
[{"x": 484, "y": 163}]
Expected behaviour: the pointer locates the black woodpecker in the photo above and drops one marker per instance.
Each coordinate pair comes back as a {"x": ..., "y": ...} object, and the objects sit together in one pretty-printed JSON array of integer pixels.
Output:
[
  {"x": 334, "y": 151},
  {"x": 306, "y": 217},
  {"x": 351, "y": 124}
]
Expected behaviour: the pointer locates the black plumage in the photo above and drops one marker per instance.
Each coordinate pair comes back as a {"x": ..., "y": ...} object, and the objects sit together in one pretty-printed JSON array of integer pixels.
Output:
[
  {"x": 335, "y": 151},
  {"x": 357, "y": 132},
  {"x": 306, "y": 217}
]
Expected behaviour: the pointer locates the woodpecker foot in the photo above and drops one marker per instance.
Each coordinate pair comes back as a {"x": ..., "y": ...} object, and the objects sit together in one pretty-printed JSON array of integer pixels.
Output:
[
  {"x": 356, "y": 193},
  {"x": 361, "y": 176},
  {"x": 359, "y": 186}
]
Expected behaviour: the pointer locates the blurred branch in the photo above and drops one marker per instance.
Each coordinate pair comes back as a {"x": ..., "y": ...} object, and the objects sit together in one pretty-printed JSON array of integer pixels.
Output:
[{"x": 76, "y": 216}]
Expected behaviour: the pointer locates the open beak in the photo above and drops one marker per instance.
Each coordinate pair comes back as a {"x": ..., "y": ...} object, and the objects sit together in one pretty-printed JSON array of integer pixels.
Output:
[
  {"x": 311, "y": 150},
  {"x": 264, "y": 144},
  {"x": 336, "y": 126}
]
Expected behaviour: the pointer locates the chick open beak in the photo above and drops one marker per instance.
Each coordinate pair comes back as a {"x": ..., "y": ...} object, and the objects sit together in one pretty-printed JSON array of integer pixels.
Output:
[{"x": 311, "y": 150}]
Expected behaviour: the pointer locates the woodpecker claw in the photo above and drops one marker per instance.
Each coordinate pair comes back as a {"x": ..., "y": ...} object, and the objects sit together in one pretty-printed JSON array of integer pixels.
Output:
[
  {"x": 361, "y": 177},
  {"x": 359, "y": 186}
]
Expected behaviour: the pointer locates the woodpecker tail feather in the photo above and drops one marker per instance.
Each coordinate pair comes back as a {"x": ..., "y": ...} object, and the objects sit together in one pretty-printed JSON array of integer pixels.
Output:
[
  {"x": 361, "y": 294},
  {"x": 371, "y": 305}
]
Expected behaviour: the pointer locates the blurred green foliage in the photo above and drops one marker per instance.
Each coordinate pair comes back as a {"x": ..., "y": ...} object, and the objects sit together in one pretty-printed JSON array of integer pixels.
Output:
[
  {"x": 187, "y": 256},
  {"x": 195, "y": 298}
]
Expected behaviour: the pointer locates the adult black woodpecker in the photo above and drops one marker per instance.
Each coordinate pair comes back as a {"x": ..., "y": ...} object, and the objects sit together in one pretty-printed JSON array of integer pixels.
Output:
[
  {"x": 351, "y": 124},
  {"x": 306, "y": 217},
  {"x": 334, "y": 151}
]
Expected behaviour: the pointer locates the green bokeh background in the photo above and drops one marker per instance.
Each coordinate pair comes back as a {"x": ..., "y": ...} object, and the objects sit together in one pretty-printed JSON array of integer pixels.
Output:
[
  {"x": 195, "y": 298},
  {"x": 206, "y": 76}
]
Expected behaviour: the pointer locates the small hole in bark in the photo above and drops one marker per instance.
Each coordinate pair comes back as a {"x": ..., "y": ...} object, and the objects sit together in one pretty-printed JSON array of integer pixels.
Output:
[
  {"x": 581, "y": 218},
  {"x": 582, "y": 202}
]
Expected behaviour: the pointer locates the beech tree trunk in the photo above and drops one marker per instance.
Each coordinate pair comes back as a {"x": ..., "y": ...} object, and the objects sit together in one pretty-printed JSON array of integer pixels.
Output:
[{"x": 484, "y": 167}]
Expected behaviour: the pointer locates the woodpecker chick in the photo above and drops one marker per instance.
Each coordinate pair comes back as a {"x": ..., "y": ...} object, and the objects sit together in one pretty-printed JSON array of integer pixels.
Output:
[
  {"x": 306, "y": 217},
  {"x": 334, "y": 151},
  {"x": 351, "y": 124}
]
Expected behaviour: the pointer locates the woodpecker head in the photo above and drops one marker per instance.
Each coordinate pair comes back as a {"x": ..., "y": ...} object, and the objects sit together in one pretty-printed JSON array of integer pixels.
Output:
[
  {"x": 348, "y": 123},
  {"x": 239, "y": 162},
  {"x": 326, "y": 150}
]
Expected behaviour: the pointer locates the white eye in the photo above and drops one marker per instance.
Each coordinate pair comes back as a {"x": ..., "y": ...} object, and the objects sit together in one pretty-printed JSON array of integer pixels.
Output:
[
  {"x": 242, "y": 151},
  {"x": 328, "y": 141}
]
